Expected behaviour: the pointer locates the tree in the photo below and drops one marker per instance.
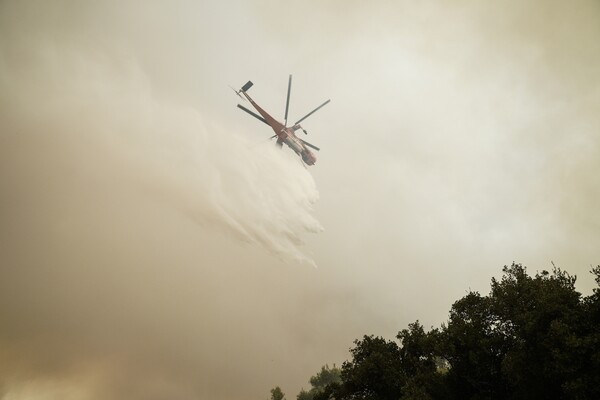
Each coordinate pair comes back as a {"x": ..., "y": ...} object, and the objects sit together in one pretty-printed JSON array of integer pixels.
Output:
[
  {"x": 583, "y": 355},
  {"x": 277, "y": 394},
  {"x": 375, "y": 371},
  {"x": 419, "y": 360},
  {"x": 319, "y": 382},
  {"x": 531, "y": 337},
  {"x": 304, "y": 395},
  {"x": 540, "y": 320},
  {"x": 473, "y": 349}
]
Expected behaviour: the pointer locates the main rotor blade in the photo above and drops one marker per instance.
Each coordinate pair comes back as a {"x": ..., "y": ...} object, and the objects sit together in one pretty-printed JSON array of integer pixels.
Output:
[
  {"x": 311, "y": 113},
  {"x": 258, "y": 117},
  {"x": 310, "y": 145},
  {"x": 287, "y": 102}
]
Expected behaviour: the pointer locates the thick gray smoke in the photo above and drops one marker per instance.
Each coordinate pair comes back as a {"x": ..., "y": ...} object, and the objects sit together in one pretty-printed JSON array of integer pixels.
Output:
[
  {"x": 88, "y": 131},
  {"x": 151, "y": 236},
  {"x": 129, "y": 224}
]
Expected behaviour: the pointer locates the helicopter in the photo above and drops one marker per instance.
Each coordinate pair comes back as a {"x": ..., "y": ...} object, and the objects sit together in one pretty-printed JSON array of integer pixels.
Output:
[{"x": 283, "y": 133}]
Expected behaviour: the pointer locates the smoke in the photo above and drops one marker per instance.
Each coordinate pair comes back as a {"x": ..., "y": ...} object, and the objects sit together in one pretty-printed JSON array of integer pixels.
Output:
[
  {"x": 143, "y": 219},
  {"x": 89, "y": 136},
  {"x": 130, "y": 223}
]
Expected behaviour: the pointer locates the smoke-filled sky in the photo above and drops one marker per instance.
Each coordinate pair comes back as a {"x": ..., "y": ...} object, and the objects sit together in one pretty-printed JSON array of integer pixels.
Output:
[{"x": 155, "y": 245}]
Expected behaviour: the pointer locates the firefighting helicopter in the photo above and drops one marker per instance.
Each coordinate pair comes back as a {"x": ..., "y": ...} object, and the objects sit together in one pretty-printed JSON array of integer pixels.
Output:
[{"x": 283, "y": 133}]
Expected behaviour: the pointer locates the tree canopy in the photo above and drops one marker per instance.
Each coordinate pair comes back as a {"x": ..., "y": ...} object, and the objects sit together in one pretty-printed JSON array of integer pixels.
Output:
[
  {"x": 277, "y": 394},
  {"x": 324, "y": 380},
  {"x": 531, "y": 337}
]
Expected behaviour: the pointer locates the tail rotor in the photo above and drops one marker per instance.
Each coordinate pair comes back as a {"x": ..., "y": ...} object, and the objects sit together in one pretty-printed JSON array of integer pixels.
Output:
[{"x": 237, "y": 92}]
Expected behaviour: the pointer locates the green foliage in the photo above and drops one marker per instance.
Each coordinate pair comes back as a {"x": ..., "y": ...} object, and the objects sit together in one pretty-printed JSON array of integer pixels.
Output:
[
  {"x": 304, "y": 395},
  {"x": 473, "y": 349},
  {"x": 539, "y": 319},
  {"x": 375, "y": 371},
  {"x": 420, "y": 362},
  {"x": 323, "y": 379},
  {"x": 277, "y": 394},
  {"x": 530, "y": 338}
]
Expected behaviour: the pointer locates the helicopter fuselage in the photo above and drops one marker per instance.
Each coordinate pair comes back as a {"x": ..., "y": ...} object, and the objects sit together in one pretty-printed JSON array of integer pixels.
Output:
[{"x": 284, "y": 134}]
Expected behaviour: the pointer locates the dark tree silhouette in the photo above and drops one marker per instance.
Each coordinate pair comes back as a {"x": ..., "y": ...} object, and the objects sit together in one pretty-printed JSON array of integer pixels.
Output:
[{"x": 532, "y": 337}]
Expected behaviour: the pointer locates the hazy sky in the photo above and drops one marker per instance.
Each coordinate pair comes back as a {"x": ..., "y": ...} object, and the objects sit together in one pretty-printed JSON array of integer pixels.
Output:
[{"x": 155, "y": 245}]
